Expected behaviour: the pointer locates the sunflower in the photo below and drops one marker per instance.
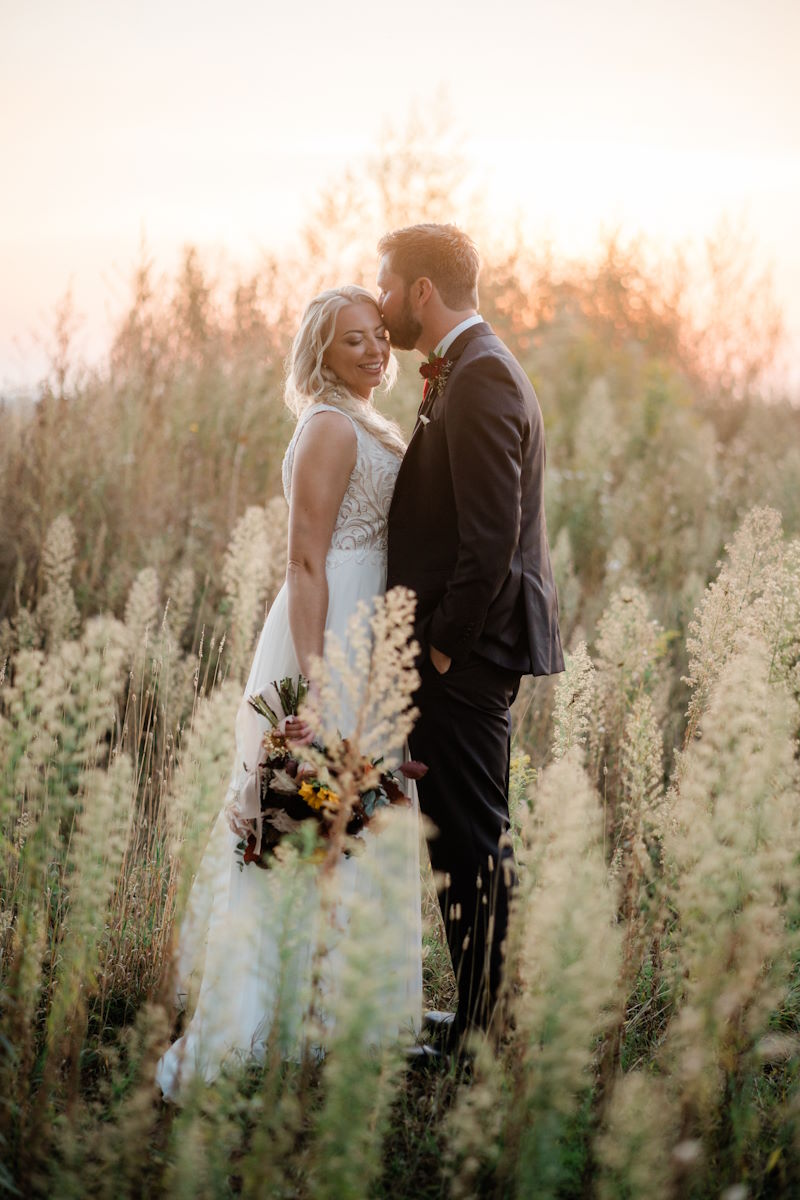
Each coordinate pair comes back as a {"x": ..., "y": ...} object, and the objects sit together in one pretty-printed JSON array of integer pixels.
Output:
[{"x": 317, "y": 796}]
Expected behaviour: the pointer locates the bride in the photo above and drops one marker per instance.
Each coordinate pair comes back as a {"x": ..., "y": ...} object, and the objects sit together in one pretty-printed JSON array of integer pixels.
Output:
[{"x": 248, "y": 939}]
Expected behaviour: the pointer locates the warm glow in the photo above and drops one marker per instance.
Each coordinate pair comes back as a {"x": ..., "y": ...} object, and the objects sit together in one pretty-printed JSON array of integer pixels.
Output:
[{"x": 219, "y": 126}]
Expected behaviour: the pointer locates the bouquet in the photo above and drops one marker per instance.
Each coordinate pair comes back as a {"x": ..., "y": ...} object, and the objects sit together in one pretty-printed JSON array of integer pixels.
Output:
[{"x": 309, "y": 795}]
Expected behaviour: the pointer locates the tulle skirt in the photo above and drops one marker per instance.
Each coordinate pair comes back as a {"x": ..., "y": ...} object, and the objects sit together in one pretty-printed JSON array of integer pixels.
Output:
[{"x": 252, "y": 938}]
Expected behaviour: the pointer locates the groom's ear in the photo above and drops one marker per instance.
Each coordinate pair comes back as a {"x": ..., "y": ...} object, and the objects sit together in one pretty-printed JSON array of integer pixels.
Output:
[{"x": 421, "y": 290}]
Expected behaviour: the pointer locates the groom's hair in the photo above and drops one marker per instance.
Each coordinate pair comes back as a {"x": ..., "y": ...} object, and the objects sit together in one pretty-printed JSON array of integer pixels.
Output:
[{"x": 441, "y": 253}]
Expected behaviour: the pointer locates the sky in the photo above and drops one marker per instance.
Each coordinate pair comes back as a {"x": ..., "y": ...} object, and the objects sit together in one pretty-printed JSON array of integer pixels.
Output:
[{"x": 218, "y": 124}]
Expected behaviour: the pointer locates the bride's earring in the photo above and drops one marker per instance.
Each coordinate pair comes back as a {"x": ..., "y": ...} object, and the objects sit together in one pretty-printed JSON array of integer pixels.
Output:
[{"x": 327, "y": 374}]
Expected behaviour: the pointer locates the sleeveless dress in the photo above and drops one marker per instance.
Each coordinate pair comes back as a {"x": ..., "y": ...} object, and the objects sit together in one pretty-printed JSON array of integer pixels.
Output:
[{"x": 249, "y": 935}]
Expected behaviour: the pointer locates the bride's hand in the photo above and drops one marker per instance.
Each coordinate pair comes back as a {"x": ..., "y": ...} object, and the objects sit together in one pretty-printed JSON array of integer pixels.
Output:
[{"x": 298, "y": 731}]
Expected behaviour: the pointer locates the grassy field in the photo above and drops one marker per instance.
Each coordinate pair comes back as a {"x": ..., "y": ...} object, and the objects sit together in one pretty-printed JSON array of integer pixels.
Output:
[{"x": 651, "y": 1048}]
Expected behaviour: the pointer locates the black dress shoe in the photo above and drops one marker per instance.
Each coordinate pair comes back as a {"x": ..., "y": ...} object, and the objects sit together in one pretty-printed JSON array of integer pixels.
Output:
[
  {"x": 440, "y": 1026},
  {"x": 423, "y": 1057}
]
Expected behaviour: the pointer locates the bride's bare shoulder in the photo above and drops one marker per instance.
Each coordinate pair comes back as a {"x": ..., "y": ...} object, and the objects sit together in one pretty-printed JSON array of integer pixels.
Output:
[{"x": 326, "y": 437}]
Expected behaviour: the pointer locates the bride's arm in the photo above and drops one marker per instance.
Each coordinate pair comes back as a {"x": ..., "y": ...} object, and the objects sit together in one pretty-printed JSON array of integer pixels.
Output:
[{"x": 324, "y": 458}]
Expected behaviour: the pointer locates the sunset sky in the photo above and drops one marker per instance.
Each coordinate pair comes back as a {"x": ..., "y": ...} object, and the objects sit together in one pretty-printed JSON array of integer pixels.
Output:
[{"x": 218, "y": 124}]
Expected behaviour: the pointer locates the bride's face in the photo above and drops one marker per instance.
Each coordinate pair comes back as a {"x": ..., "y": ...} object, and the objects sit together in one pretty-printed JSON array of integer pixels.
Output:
[{"x": 359, "y": 351}]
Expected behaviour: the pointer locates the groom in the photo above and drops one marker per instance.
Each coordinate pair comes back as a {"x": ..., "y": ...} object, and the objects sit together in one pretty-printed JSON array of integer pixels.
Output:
[{"x": 467, "y": 533}]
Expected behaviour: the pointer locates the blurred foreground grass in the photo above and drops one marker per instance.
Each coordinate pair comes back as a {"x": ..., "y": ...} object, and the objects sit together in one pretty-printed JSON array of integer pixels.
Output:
[{"x": 652, "y": 1047}]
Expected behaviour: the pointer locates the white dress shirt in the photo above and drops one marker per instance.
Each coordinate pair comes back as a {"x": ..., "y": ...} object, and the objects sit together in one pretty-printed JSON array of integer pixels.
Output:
[{"x": 449, "y": 338}]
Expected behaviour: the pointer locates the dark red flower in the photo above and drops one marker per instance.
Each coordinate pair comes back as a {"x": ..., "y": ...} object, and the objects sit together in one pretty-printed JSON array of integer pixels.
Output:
[
  {"x": 435, "y": 367},
  {"x": 250, "y": 855},
  {"x": 393, "y": 790},
  {"x": 413, "y": 769}
]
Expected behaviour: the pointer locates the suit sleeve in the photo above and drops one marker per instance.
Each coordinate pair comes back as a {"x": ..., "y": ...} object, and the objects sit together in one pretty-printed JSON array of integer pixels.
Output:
[{"x": 486, "y": 423}]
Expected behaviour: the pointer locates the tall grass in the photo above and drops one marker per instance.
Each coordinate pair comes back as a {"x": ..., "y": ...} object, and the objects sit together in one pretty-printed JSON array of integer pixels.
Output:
[
  {"x": 650, "y": 1046},
  {"x": 650, "y": 1043}
]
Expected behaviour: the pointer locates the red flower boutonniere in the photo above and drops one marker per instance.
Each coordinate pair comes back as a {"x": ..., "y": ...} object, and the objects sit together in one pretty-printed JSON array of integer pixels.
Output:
[{"x": 435, "y": 372}]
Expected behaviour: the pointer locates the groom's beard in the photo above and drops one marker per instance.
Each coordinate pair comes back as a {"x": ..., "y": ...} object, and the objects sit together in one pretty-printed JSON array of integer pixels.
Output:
[{"x": 404, "y": 333}]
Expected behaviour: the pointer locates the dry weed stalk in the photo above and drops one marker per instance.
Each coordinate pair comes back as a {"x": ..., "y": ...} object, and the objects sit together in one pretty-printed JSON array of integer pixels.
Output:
[
  {"x": 643, "y": 824},
  {"x": 363, "y": 1062},
  {"x": 731, "y": 856},
  {"x": 57, "y": 612},
  {"x": 629, "y": 646},
  {"x": 563, "y": 956},
  {"x": 634, "y": 1149},
  {"x": 95, "y": 856},
  {"x": 746, "y": 590},
  {"x": 246, "y": 575},
  {"x": 574, "y": 702}
]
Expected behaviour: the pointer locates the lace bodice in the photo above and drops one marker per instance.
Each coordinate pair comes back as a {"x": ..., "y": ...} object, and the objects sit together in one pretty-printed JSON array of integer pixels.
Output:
[{"x": 360, "y": 527}]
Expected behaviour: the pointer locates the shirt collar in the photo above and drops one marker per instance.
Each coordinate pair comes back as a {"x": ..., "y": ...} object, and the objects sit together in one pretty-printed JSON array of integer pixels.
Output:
[{"x": 449, "y": 338}]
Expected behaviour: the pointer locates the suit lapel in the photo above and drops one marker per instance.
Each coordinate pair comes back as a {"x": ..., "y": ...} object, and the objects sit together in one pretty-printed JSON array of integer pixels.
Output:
[{"x": 453, "y": 354}]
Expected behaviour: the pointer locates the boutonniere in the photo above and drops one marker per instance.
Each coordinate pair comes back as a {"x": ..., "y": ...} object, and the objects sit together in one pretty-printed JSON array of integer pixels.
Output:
[{"x": 435, "y": 372}]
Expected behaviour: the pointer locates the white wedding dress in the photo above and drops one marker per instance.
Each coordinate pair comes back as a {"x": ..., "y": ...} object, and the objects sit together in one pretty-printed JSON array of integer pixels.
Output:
[{"x": 249, "y": 935}]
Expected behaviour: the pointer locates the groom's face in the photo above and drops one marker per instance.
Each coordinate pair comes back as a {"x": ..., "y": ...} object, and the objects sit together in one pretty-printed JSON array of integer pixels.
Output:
[{"x": 402, "y": 325}]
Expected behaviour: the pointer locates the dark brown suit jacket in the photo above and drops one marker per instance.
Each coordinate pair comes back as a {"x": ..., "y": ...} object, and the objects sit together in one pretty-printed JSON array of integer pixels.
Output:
[{"x": 467, "y": 526}]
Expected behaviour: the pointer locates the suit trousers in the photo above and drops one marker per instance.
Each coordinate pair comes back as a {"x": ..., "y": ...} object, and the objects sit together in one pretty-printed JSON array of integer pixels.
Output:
[{"x": 463, "y": 735}]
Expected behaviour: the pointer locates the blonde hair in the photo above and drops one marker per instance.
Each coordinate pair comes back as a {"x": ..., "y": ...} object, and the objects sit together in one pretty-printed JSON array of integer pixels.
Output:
[{"x": 309, "y": 382}]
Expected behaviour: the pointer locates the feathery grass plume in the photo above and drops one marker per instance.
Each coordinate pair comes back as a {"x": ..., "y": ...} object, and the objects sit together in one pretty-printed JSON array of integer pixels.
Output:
[
  {"x": 732, "y": 605},
  {"x": 565, "y": 950},
  {"x": 173, "y": 672},
  {"x": 785, "y": 639},
  {"x": 20, "y": 632},
  {"x": 181, "y": 601},
  {"x": 190, "y": 800},
  {"x": 95, "y": 856},
  {"x": 368, "y": 694},
  {"x": 271, "y": 1008},
  {"x": 151, "y": 733},
  {"x": 87, "y": 679},
  {"x": 142, "y": 614},
  {"x": 634, "y": 1148},
  {"x": 620, "y": 571},
  {"x": 521, "y": 777},
  {"x": 205, "y": 759},
  {"x": 287, "y": 1093},
  {"x": 57, "y": 612},
  {"x": 26, "y": 628},
  {"x": 100, "y": 1142},
  {"x": 205, "y": 1141},
  {"x": 731, "y": 859},
  {"x": 27, "y": 740},
  {"x": 363, "y": 693},
  {"x": 386, "y": 717},
  {"x": 363, "y": 1062},
  {"x": 629, "y": 645},
  {"x": 475, "y": 1126},
  {"x": 246, "y": 575},
  {"x": 277, "y": 521},
  {"x": 636, "y": 864},
  {"x": 642, "y": 772},
  {"x": 643, "y": 809},
  {"x": 575, "y": 693},
  {"x": 567, "y": 583},
  {"x": 21, "y": 981},
  {"x": 598, "y": 442},
  {"x": 59, "y": 711},
  {"x": 644, "y": 822}
]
